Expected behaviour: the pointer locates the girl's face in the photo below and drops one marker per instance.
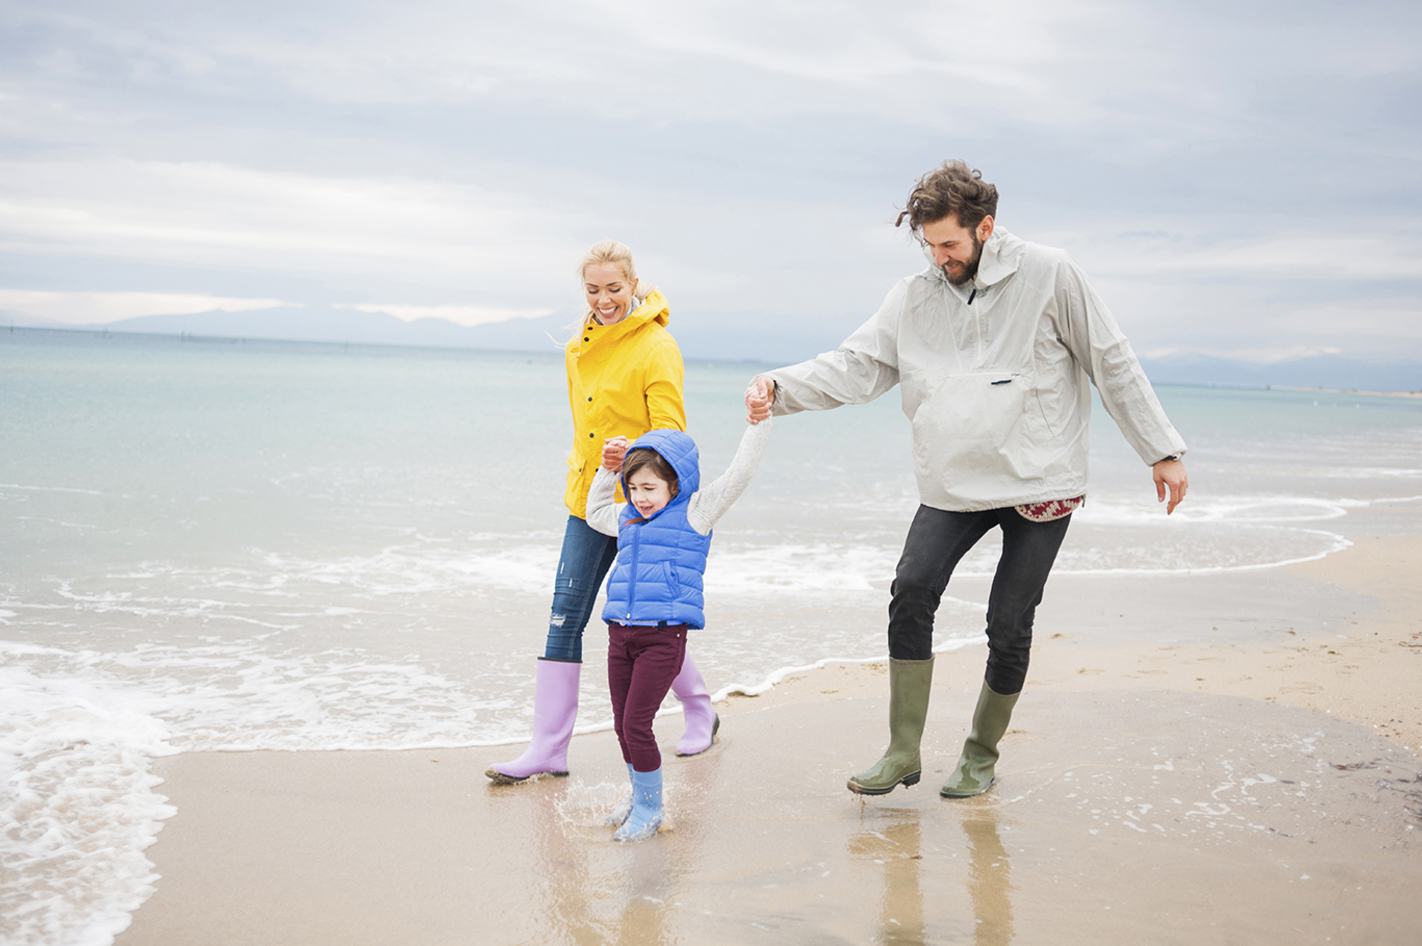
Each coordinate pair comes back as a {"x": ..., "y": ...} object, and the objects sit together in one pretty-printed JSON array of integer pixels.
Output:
[
  {"x": 647, "y": 491},
  {"x": 609, "y": 291}
]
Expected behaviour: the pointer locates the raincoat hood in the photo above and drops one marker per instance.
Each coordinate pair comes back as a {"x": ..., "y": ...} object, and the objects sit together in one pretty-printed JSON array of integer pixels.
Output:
[{"x": 1002, "y": 256}]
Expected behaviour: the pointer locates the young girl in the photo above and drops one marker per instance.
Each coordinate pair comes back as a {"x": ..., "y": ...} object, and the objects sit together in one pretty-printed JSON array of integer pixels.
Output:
[{"x": 655, "y": 594}]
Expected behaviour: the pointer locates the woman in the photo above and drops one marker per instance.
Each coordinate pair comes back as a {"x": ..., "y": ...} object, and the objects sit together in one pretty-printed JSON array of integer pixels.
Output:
[{"x": 624, "y": 379}]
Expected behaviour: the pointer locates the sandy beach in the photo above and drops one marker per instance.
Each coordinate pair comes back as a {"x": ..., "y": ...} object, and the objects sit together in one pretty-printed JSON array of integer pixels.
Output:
[{"x": 1212, "y": 758}]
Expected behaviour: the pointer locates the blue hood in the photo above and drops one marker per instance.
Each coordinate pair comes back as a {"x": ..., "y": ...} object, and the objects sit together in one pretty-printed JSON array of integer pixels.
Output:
[{"x": 679, "y": 450}]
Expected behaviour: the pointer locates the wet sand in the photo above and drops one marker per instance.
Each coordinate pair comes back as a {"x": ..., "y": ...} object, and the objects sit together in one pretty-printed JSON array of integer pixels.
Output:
[{"x": 1220, "y": 759}]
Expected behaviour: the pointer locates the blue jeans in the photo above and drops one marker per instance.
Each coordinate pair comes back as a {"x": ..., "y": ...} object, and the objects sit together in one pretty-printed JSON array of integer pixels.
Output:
[
  {"x": 937, "y": 541},
  {"x": 587, "y": 555}
]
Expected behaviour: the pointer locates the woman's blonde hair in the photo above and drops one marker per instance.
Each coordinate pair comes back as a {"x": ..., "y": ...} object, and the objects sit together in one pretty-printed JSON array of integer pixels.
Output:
[{"x": 610, "y": 251}]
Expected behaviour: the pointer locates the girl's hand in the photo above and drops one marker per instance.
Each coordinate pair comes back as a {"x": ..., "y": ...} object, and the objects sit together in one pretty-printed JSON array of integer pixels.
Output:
[
  {"x": 614, "y": 449},
  {"x": 760, "y": 396}
]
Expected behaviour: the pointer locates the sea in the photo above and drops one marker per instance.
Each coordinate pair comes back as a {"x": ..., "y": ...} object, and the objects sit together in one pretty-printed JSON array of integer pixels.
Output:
[{"x": 225, "y": 545}]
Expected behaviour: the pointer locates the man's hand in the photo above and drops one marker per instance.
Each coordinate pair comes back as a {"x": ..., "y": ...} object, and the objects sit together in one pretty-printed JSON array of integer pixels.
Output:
[
  {"x": 1170, "y": 475},
  {"x": 614, "y": 449},
  {"x": 760, "y": 397}
]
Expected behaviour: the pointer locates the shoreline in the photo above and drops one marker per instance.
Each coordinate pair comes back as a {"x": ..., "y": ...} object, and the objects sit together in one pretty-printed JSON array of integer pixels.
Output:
[{"x": 1142, "y": 778}]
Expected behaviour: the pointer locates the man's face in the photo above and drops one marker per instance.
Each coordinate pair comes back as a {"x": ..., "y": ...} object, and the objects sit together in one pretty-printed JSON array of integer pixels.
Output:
[{"x": 956, "y": 249}]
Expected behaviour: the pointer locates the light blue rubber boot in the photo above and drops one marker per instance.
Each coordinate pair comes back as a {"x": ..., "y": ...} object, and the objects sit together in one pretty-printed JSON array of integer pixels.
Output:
[
  {"x": 624, "y": 805},
  {"x": 646, "y": 814}
]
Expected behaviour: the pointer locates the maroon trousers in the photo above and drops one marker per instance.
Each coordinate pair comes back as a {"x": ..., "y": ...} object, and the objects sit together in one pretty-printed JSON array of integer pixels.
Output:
[{"x": 642, "y": 662}]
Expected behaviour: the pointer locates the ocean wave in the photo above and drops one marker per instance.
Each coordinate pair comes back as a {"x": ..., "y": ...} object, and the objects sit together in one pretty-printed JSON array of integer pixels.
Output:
[
  {"x": 235, "y": 696},
  {"x": 78, "y": 807},
  {"x": 51, "y": 489},
  {"x": 415, "y": 569},
  {"x": 1370, "y": 472}
]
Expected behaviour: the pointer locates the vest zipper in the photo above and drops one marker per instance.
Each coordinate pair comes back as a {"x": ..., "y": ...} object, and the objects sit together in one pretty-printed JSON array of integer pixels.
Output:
[{"x": 632, "y": 574}]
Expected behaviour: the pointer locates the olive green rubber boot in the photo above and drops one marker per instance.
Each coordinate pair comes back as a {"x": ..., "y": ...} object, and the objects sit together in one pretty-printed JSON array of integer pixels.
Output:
[
  {"x": 974, "y": 774},
  {"x": 909, "y": 684}
]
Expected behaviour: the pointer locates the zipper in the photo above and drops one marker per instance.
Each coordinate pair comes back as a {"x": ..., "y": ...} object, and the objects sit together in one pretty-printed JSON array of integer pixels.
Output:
[
  {"x": 632, "y": 574},
  {"x": 977, "y": 339}
]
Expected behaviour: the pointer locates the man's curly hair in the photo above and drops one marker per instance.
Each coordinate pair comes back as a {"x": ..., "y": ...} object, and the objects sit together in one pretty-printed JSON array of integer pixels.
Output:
[{"x": 953, "y": 190}]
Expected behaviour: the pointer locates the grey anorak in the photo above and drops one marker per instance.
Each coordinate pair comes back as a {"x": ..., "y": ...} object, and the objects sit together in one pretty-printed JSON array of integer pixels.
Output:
[{"x": 993, "y": 375}]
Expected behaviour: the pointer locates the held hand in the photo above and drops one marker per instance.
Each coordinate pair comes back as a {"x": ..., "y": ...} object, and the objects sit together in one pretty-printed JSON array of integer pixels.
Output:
[
  {"x": 1170, "y": 475},
  {"x": 614, "y": 449},
  {"x": 760, "y": 397}
]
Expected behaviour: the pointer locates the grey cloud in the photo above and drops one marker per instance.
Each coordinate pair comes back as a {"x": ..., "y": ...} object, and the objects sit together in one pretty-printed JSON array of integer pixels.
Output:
[{"x": 748, "y": 151}]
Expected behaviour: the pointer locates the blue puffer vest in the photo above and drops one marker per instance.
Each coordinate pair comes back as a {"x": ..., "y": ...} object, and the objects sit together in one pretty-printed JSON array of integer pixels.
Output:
[{"x": 660, "y": 559}]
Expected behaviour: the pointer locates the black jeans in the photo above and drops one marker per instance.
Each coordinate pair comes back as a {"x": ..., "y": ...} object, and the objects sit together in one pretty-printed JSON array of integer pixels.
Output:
[{"x": 936, "y": 541}]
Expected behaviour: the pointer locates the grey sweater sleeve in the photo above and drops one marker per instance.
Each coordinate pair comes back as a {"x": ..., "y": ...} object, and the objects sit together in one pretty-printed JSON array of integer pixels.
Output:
[
  {"x": 710, "y": 502},
  {"x": 603, "y": 507}
]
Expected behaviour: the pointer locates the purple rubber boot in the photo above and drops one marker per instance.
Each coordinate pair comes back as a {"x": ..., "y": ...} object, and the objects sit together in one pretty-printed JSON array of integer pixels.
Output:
[
  {"x": 555, "y": 706},
  {"x": 701, "y": 719}
]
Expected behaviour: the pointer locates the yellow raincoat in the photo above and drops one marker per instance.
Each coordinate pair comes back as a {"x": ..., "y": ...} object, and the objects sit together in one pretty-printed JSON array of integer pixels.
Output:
[{"x": 623, "y": 379}]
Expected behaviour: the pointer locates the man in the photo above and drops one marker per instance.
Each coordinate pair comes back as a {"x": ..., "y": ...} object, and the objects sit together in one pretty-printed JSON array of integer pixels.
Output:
[{"x": 992, "y": 347}]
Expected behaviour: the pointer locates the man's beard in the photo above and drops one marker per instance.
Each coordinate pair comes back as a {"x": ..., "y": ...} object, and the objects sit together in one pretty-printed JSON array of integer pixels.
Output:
[{"x": 970, "y": 268}]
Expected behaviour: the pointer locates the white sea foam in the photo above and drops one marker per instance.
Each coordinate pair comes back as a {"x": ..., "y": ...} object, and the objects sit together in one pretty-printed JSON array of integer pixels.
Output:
[
  {"x": 777, "y": 676},
  {"x": 435, "y": 567},
  {"x": 1109, "y": 536},
  {"x": 799, "y": 568},
  {"x": 79, "y": 728},
  {"x": 51, "y": 489},
  {"x": 1372, "y": 472},
  {"x": 239, "y": 696},
  {"x": 78, "y": 807}
]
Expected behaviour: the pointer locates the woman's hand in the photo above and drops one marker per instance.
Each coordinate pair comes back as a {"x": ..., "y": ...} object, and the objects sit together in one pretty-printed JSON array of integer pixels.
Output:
[
  {"x": 614, "y": 449},
  {"x": 760, "y": 397}
]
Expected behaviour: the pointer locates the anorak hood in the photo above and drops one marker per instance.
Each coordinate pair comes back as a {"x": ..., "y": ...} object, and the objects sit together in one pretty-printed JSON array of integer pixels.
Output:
[
  {"x": 679, "y": 450},
  {"x": 1002, "y": 255}
]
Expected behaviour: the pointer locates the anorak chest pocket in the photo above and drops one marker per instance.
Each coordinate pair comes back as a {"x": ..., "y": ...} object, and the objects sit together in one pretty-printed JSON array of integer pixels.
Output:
[{"x": 973, "y": 418}]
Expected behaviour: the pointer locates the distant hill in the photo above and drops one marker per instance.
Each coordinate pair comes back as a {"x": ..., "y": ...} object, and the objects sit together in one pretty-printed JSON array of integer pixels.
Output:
[
  {"x": 700, "y": 335},
  {"x": 326, "y": 324},
  {"x": 710, "y": 336}
]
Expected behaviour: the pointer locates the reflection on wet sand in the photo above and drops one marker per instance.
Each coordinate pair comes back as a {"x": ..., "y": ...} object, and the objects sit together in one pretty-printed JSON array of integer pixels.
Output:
[
  {"x": 565, "y": 887},
  {"x": 898, "y": 847},
  {"x": 989, "y": 879}
]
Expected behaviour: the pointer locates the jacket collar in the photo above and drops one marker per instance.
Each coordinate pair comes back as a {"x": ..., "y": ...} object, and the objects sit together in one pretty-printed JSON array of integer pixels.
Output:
[
  {"x": 1002, "y": 255},
  {"x": 654, "y": 308}
]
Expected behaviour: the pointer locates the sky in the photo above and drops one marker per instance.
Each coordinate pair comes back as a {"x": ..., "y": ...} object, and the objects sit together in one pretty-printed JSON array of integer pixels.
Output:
[{"x": 1240, "y": 181}]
